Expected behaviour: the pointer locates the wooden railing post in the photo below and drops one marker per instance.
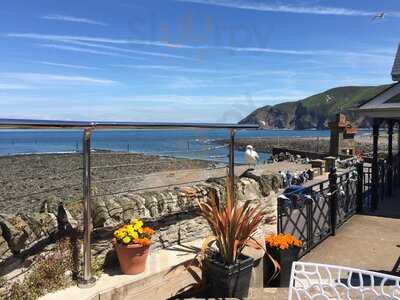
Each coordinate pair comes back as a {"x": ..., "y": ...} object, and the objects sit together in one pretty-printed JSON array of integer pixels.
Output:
[
  {"x": 360, "y": 187},
  {"x": 333, "y": 189}
]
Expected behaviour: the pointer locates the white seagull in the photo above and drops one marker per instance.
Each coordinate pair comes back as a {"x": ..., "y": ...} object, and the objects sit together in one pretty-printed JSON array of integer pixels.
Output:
[{"x": 251, "y": 156}]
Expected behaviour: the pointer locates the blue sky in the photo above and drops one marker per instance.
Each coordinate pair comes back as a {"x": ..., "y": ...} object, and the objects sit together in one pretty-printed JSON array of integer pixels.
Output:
[{"x": 185, "y": 60}]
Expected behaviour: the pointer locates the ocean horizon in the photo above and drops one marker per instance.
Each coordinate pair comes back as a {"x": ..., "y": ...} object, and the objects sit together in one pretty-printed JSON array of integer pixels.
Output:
[{"x": 188, "y": 143}]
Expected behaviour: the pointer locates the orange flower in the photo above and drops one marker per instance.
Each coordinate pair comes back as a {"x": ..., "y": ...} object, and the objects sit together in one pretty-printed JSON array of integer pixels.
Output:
[
  {"x": 148, "y": 231},
  {"x": 282, "y": 241},
  {"x": 143, "y": 241},
  {"x": 134, "y": 233}
]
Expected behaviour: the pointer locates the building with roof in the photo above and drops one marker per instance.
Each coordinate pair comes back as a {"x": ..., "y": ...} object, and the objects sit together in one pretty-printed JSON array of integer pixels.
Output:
[{"x": 384, "y": 110}]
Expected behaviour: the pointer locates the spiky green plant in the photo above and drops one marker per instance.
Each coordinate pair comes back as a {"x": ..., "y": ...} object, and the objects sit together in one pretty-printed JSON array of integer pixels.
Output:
[{"x": 232, "y": 225}]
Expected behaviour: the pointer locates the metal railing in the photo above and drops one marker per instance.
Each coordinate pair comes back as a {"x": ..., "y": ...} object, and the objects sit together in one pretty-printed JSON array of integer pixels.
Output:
[
  {"x": 86, "y": 168},
  {"x": 314, "y": 213}
]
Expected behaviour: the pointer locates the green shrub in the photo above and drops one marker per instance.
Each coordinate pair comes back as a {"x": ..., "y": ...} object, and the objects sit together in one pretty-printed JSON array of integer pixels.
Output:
[
  {"x": 47, "y": 275},
  {"x": 3, "y": 282}
]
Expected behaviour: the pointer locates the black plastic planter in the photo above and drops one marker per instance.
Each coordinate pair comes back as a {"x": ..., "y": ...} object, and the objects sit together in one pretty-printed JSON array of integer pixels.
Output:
[
  {"x": 229, "y": 281},
  {"x": 285, "y": 258}
]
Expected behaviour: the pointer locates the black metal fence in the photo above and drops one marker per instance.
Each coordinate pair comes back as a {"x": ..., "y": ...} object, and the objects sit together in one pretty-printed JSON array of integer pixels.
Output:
[
  {"x": 365, "y": 181},
  {"x": 321, "y": 209},
  {"x": 387, "y": 180}
]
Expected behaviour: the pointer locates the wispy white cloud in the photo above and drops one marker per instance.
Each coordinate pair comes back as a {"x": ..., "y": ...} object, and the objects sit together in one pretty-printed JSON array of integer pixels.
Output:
[
  {"x": 150, "y": 67},
  {"x": 45, "y": 79},
  {"x": 87, "y": 41},
  {"x": 48, "y": 63},
  {"x": 105, "y": 40},
  {"x": 85, "y": 50},
  {"x": 140, "y": 52},
  {"x": 283, "y": 8},
  {"x": 14, "y": 86},
  {"x": 73, "y": 19},
  {"x": 169, "y": 68},
  {"x": 93, "y": 42}
]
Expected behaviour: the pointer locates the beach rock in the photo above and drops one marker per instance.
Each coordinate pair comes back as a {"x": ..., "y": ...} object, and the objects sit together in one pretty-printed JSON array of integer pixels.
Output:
[
  {"x": 187, "y": 198},
  {"x": 218, "y": 181},
  {"x": 129, "y": 208},
  {"x": 50, "y": 204},
  {"x": 75, "y": 208},
  {"x": 115, "y": 211},
  {"x": 132, "y": 207},
  {"x": 45, "y": 223},
  {"x": 140, "y": 202},
  {"x": 271, "y": 204},
  {"x": 5, "y": 251},
  {"x": 266, "y": 182},
  {"x": 275, "y": 181},
  {"x": 33, "y": 224},
  {"x": 66, "y": 223},
  {"x": 265, "y": 185},
  {"x": 151, "y": 203},
  {"x": 166, "y": 203},
  {"x": 248, "y": 189},
  {"x": 99, "y": 212},
  {"x": 15, "y": 231}
]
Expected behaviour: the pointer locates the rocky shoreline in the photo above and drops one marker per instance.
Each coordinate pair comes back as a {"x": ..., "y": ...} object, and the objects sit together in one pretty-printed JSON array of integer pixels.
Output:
[
  {"x": 28, "y": 180},
  {"x": 310, "y": 144}
]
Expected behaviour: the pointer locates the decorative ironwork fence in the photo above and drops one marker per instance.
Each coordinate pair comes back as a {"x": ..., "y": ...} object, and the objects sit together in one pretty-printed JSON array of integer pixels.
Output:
[
  {"x": 365, "y": 176},
  {"x": 319, "y": 210}
]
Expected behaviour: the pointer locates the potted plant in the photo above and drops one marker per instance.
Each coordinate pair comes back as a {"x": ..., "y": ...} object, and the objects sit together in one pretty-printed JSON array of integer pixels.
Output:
[
  {"x": 284, "y": 249},
  {"x": 227, "y": 270},
  {"x": 132, "y": 243}
]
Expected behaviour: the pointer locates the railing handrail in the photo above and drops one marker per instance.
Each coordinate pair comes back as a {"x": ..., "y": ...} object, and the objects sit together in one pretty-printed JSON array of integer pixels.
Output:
[
  {"x": 88, "y": 126},
  {"x": 309, "y": 187},
  {"x": 32, "y": 124}
]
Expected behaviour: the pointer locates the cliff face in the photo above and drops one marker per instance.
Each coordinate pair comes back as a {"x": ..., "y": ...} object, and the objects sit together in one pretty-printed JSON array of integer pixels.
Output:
[{"x": 314, "y": 112}]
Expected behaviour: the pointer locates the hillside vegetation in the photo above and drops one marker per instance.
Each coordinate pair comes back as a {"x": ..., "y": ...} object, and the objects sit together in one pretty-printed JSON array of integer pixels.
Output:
[{"x": 314, "y": 112}]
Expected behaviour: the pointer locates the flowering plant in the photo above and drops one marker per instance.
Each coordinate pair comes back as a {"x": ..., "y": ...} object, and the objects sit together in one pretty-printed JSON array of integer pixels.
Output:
[
  {"x": 134, "y": 233},
  {"x": 282, "y": 241}
]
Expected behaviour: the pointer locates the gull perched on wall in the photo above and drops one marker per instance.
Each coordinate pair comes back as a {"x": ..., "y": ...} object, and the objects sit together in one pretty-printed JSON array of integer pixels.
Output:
[{"x": 251, "y": 156}]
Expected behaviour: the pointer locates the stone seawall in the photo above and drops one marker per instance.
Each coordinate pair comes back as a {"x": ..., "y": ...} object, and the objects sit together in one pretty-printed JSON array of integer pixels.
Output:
[{"x": 172, "y": 213}]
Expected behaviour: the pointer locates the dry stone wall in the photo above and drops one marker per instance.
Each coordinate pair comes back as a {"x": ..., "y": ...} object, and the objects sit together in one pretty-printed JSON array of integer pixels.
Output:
[{"x": 172, "y": 212}]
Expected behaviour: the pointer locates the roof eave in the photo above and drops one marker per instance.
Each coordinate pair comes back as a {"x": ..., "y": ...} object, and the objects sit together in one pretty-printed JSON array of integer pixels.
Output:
[{"x": 395, "y": 77}]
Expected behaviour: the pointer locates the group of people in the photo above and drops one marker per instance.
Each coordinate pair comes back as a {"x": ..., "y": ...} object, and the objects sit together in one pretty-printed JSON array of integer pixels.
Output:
[
  {"x": 288, "y": 157},
  {"x": 296, "y": 178}
]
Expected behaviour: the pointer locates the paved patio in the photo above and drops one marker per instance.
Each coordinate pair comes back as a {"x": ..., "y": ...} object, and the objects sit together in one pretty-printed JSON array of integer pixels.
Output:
[{"x": 370, "y": 241}]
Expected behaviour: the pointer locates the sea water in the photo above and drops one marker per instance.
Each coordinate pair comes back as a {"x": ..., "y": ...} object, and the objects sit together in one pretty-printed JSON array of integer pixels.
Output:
[{"x": 199, "y": 144}]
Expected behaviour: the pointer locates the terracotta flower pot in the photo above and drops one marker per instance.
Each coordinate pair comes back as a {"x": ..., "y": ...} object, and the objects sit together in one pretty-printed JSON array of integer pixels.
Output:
[{"x": 132, "y": 258}]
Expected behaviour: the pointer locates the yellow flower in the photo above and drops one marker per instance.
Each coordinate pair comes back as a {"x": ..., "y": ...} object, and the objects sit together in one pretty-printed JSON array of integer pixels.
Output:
[
  {"x": 119, "y": 234},
  {"x": 126, "y": 240},
  {"x": 136, "y": 223},
  {"x": 134, "y": 235}
]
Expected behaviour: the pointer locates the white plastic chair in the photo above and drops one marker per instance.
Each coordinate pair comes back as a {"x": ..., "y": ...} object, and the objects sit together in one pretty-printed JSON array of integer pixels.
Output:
[{"x": 319, "y": 281}]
